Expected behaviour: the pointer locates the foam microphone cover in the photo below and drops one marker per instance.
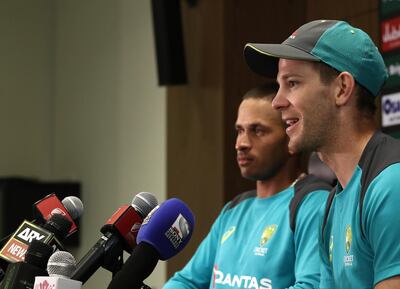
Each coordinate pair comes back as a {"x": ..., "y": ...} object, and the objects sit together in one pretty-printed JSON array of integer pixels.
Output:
[{"x": 167, "y": 228}]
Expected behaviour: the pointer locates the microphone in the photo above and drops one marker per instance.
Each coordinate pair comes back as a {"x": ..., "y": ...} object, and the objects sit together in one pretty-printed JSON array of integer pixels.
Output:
[
  {"x": 175, "y": 220},
  {"x": 60, "y": 267},
  {"x": 70, "y": 207},
  {"x": 126, "y": 221},
  {"x": 21, "y": 275},
  {"x": 55, "y": 229},
  {"x": 164, "y": 233},
  {"x": 119, "y": 233}
]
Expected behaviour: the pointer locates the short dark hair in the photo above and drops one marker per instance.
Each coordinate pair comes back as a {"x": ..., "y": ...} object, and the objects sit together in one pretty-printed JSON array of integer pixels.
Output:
[
  {"x": 366, "y": 102},
  {"x": 266, "y": 91}
]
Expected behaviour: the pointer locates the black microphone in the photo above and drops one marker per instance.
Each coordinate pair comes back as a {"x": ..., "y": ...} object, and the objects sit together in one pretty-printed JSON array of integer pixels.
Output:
[
  {"x": 119, "y": 234},
  {"x": 21, "y": 275},
  {"x": 137, "y": 268},
  {"x": 59, "y": 226},
  {"x": 71, "y": 207},
  {"x": 13, "y": 249},
  {"x": 164, "y": 233},
  {"x": 54, "y": 230}
]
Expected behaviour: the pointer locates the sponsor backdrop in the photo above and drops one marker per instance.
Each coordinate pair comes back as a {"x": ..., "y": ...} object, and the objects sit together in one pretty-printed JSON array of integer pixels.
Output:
[{"x": 390, "y": 48}]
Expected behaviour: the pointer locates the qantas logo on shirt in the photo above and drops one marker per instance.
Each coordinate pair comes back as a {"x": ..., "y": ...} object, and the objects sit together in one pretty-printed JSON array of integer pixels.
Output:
[
  {"x": 236, "y": 281},
  {"x": 227, "y": 234}
]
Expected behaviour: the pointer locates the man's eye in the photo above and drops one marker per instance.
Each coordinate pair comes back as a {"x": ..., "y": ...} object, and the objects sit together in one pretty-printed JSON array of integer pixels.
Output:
[
  {"x": 292, "y": 83},
  {"x": 259, "y": 131}
]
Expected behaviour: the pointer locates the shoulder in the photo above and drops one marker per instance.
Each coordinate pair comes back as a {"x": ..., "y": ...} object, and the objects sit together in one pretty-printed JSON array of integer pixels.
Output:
[
  {"x": 310, "y": 193},
  {"x": 389, "y": 175},
  {"x": 311, "y": 183},
  {"x": 380, "y": 165},
  {"x": 386, "y": 183},
  {"x": 381, "y": 152},
  {"x": 239, "y": 199},
  {"x": 310, "y": 188}
]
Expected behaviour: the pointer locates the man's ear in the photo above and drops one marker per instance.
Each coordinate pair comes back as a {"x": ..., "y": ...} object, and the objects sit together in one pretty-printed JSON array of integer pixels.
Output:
[{"x": 345, "y": 85}]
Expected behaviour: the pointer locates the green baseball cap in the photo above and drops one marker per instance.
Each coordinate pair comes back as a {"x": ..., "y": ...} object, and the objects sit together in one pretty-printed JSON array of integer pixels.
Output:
[{"x": 336, "y": 43}]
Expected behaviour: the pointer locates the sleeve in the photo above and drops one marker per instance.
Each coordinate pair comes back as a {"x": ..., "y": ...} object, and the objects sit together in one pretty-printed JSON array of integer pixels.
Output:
[
  {"x": 381, "y": 222},
  {"x": 325, "y": 243},
  {"x": 307, "y": 265},
  {"x": 197, "y": 272}
]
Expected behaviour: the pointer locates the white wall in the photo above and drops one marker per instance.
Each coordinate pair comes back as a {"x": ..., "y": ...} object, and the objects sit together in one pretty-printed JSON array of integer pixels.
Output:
[
  {"x": 80, "y": 101},
  {"x": 109, "y": 111},
  {"x": 26, "y": 73}
]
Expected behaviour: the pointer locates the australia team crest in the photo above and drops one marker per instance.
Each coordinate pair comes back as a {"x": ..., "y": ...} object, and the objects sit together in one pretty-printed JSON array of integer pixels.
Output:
[{"x": 266, "y": 236}]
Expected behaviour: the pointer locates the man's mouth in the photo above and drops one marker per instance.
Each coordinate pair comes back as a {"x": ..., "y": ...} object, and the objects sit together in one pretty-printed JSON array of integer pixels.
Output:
[
  {"x": 290, "y": 123},
  {"x": 242, "y": 161}
]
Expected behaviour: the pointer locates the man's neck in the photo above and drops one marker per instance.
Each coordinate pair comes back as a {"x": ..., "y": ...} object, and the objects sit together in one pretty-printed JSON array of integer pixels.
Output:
[
  {"x": 283, "y": 179},
  {"x": 344, "y": 155}
]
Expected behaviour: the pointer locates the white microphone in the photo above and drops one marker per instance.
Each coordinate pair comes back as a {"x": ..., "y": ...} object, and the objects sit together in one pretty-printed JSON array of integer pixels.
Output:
[{"x": 60, "y": 267}]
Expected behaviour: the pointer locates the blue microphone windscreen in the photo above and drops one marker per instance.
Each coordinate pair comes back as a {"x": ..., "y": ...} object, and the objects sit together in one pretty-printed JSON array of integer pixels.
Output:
[{"x": 167, "y": 228}]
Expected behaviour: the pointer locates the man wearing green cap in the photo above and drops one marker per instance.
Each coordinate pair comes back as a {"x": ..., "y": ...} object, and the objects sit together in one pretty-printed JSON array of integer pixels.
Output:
[{"x": 329, "y": 75}]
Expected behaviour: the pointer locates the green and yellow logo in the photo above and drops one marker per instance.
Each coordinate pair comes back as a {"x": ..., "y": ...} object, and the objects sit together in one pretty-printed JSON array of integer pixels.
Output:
[
  {"x": 227, "y": 234},
  {"x": 331, "y": 249},
  {"x": 349, "y": 238},
  {"x": 267, "y": 234}
]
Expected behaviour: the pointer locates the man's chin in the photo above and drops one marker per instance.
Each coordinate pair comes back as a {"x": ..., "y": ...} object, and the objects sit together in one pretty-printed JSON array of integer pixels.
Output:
[
  {"x": 295, "y": 145},
  {"x": 248, "y": 176},
  {"x": 292, "y": 147}
]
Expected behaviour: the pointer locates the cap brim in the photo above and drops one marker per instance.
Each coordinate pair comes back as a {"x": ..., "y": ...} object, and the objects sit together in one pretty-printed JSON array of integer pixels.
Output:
[{"x": 263, "y": 58}]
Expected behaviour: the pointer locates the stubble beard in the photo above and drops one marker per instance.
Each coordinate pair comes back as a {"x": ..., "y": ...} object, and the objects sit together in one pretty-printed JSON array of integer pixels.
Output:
[
  {"x": 313, "y": 135},
  {"x": 264, "y": 175},
  {"x": 316, "y": 131}
]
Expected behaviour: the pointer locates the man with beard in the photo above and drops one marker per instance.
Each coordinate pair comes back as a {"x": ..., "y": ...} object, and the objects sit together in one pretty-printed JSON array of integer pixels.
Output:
[
  {"x": 329, "y": 75},
  {"x": 257, "y": 241}
]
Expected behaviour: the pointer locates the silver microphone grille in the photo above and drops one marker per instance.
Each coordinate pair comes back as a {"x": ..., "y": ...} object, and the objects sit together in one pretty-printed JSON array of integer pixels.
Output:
[
  {"x": 144, "y": 202},
  {"x": 61, "y": 263},
  {"x": 74, "y": 206}
]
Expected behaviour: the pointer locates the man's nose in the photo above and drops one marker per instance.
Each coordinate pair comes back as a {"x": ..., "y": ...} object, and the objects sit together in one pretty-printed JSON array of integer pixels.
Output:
[
  {"x": 280, "y": 101},
  {"x": 242, "y": 142}
]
